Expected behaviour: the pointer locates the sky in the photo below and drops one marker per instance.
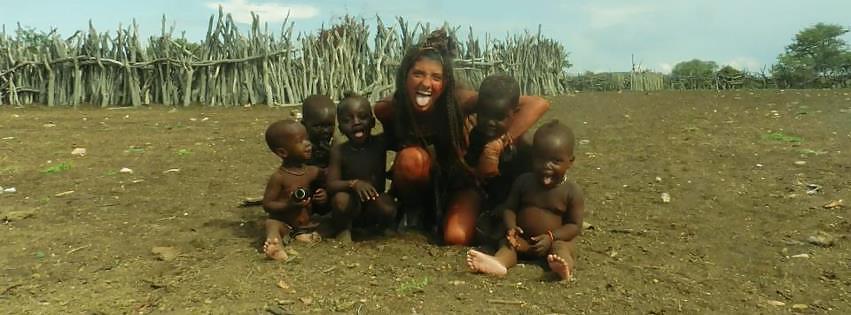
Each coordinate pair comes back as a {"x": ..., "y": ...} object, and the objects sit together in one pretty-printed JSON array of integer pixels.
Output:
[{"x": 601, "y": 35}]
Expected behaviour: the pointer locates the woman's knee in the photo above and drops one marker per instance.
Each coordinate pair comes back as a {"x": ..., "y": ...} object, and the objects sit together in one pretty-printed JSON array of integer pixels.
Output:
[
  {"x": 412, "y": 167},
  {"x": 458, "y": 235},
  {"x": 460, "y": 226}
]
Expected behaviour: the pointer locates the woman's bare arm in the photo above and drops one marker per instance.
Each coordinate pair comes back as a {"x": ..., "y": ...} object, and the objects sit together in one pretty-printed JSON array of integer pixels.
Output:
[{"x": 530, "y": 109}]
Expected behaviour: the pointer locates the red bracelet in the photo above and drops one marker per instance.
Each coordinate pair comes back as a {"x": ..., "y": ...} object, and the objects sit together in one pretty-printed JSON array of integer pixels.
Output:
[{"x": 552, "y": 237}]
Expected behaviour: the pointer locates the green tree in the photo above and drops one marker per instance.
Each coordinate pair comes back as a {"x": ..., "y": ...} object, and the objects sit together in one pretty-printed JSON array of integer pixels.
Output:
[
  {"x": 695, "y": 73},
  {"x": 817, "y": 57}
]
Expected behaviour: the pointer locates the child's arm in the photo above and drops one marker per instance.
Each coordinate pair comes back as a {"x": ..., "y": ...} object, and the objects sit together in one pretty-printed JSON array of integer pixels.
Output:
[
  {"x": 320, "y": 196},
  {"x": 572, "y": 216},
  {"x": 512, "y": 203},
  {"x": 513, "y": 233},
  {"x": 272, "y": 201},
  {"x": 334, "y": 172}
]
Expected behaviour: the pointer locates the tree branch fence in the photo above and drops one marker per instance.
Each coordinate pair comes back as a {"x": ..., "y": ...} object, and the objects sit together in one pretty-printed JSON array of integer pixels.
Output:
[{"x": 232, "y": 68}]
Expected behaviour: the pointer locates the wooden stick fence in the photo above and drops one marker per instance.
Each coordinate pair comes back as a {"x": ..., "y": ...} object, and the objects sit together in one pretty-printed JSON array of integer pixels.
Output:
[
  {"x": 654, "y": 81},
  {"x": 231, "y": 68}
]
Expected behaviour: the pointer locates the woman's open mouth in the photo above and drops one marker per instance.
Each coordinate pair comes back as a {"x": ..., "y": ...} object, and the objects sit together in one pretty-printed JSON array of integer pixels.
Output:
[{"x": 422, "y": 98}]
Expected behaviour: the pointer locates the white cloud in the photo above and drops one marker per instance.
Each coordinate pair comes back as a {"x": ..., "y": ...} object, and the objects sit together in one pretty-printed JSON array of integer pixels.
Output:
[
  {"x": 604, "y": 17},
  {"x": 665, "y": 68},
  {"x": 745, "y": 63},
  {"x": 241, "y": 10}
]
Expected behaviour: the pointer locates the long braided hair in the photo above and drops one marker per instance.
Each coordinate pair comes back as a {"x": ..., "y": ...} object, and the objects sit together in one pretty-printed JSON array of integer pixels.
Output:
[{"x": 450, "y": 142}]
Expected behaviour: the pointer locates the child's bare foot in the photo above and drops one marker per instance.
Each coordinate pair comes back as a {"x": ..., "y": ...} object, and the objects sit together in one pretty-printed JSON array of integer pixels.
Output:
[
  {"x": 312, "y": 237},
  {"x": 559, "y": 266},
  {"x": 274, "y": 250},
  {"x": 484, "y": 263},
  {"x": 345, "y": 236}
]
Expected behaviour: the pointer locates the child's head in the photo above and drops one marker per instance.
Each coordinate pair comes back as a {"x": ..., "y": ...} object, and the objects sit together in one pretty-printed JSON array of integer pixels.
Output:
[
  {"x": 288, "y": 140},
  {"x": 552, "y": 152},
  {"x": 499, "y": 95},
  {"x": 318, "y": 117},
  {"x": 354, "y": 114}
]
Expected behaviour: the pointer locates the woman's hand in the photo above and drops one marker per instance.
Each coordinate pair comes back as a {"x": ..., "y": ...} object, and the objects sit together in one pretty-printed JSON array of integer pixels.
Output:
[{"x": 488, "y": 165}]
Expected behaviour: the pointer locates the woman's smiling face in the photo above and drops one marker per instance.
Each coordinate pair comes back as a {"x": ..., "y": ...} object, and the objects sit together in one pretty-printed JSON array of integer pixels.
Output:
[{"x": 424, "y": 84}]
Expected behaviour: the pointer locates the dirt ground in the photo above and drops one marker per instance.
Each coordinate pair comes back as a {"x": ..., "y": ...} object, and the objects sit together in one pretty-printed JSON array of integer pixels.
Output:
[{"x": 736, "y": 237}]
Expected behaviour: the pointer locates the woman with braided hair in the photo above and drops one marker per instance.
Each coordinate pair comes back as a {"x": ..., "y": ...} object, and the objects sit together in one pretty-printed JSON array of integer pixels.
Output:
[{"x": 427, "y": 120}]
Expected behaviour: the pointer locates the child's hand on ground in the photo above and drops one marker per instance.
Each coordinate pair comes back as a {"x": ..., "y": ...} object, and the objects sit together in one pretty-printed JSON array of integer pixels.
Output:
[
  {"x": 542, "y": 244},
  {"x": 365, "y": 190},
  {"x": 320, "y": 196}
]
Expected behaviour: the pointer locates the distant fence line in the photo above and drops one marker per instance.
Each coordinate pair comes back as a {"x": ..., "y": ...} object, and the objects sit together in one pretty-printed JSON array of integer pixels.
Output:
[
  {"x": 654, "y": 81},
  {"x": 229, "y": 68}
]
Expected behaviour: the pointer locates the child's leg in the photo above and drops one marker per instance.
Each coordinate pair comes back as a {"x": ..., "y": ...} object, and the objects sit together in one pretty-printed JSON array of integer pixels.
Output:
[
  {"x": 562, "y": 258},
  {"x": 346, "y": 207},
  {"x": 497, "y": 265},
  {"x": 381, "y": 211},
  {"x": 460, "y": 223},
  {"x": 273, "y": 247}
]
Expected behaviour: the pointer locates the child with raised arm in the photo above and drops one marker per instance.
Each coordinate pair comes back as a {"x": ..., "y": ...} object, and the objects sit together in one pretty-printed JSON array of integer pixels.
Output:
[
  {"x": 543, "y": 213},
  {"x": 357, "y": 171},
  {"x": 288, "y": 198},
  {"x": 499, "y": 96}
]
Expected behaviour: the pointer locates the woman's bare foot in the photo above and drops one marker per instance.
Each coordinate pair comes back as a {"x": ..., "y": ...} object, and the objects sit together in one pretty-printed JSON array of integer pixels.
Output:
[
  {"x": 312, "y": 237},
  {"x": 484, "y": 263},
  {"x": 274, "y": 250},
  {"x": 345, "y": 236},
  {"x": 559, "y": 266}
]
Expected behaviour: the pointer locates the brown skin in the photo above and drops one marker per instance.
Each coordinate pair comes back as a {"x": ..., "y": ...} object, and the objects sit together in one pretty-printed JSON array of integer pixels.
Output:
[
  {"x": 543, "y": 214},
  {"x": 424, "y": 78},
  {"x": 530, "y": 108},
  {"x": 278, "y": 200},
  {"x": 492, "y": 118},
  {"x": 357, "y": 181},
  {"x": 319, "y": 117}
]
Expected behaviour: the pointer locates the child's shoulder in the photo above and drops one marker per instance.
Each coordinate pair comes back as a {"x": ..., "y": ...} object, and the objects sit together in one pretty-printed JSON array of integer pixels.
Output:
[
  {"x": 379, "y": 140},
  {"x": 525, "y": 141},
  {"x": 277, "y": 176},
  {"x": 525, "y": 179},
  {"x": 572, "y": 188},
  {"x": 314, "y": 171}
]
